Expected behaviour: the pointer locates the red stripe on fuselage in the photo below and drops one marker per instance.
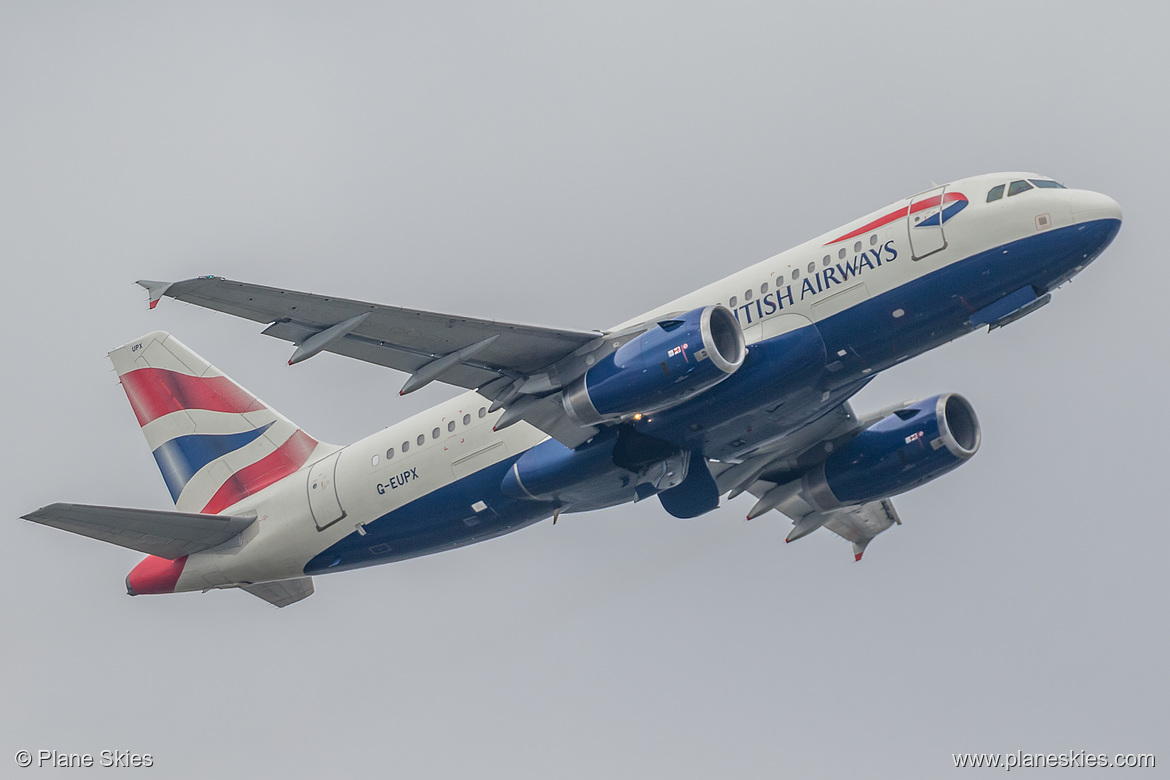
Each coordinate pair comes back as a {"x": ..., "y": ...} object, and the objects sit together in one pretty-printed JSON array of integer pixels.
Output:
[
  {"x": 274, "y": 467},
  {"x": 902, "y": 212},
  {"x": 154, "y": 392}
]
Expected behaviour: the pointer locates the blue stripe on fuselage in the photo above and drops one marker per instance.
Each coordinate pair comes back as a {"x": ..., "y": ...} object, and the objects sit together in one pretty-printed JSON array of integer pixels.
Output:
[
  {"x": 441, "y": 520},
  {"x": 936, "y": 305}
]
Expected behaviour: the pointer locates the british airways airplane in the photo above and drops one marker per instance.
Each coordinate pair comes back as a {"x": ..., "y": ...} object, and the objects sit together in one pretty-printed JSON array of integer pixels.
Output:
[{"x": 741, "y": 386}]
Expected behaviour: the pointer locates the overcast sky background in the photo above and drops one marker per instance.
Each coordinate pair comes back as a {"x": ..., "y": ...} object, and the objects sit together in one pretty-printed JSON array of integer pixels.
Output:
[{"x": 573, "y": 167}]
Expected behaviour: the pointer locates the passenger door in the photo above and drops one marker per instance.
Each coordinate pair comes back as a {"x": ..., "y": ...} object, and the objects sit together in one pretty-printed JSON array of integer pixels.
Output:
[{"x": 924, "y": 222}]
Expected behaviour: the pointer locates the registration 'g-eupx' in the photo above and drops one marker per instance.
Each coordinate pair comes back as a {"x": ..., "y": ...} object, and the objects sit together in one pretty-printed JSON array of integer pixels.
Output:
[{"x": 740, "y": 387}]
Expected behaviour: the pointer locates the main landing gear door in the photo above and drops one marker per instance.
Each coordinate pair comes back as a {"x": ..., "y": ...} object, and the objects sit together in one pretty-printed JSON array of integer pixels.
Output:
[
  {"x": 322, "y": 488},
  {"x": 924, "y": 221}
]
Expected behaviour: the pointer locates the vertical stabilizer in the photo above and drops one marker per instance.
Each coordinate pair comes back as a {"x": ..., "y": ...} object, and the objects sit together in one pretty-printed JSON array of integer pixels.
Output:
[{"x": 215, "y": 443}]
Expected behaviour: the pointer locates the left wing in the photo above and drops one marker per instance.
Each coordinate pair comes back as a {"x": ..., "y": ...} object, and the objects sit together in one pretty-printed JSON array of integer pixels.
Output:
[
  {"x": 775, "y": 479},
  {"x": 513, "y": 365}
]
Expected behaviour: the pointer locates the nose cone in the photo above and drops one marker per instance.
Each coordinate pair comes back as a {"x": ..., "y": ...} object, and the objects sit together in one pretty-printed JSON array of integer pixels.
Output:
[
  {"x": 155, "y": 575},
  {"x": 1088, "y": 206}
]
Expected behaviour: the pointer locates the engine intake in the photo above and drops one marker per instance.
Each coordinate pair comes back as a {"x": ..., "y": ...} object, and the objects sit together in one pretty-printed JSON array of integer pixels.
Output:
[
  {"x": 669, "y": 363},
  {"x": 909, "y": 448}
]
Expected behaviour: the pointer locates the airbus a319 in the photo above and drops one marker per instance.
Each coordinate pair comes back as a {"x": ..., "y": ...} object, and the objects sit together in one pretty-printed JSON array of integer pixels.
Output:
[{"x": 742, "y": 386}]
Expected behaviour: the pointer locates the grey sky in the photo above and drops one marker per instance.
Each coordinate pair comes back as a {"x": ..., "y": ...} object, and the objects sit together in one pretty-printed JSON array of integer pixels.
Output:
[{"x": 574, "y": 167}]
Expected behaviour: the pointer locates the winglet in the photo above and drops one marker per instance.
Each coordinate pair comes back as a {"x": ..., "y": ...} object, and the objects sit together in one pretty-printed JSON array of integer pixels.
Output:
[
  {"x": 859, "y": 549},
  {"x": 155, "y": 290}
]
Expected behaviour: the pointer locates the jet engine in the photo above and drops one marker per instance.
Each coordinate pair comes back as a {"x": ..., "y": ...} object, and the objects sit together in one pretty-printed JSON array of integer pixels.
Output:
[
  {"x": 675, "y": 360},
  {"x": 909, "y": 448}
]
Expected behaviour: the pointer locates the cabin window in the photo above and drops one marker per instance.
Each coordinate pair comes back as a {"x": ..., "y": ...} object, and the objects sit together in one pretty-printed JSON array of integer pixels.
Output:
[
  {"x": 826, "y": 261},
  {"x": 779, "y": 281},
  {"x": 405, "y": 446},
  {"x": 374, "y": 460},
  {"x": 1048, "y": 184},
  {"x": 841, "y": 253},
  {"x": 389, "y": 453},
  {"x": 1018, "y": 186},
  {"x": 450, "y": 426},
  {"x": 996, "y": 193},
  {"x": 747, "y": 295},
  {"x": 795, "y": 274},
  {"x": 435, "y": 433},
  {"x": 421, "y": 438},
  {"x": 812, "y": 268},
  {"x": 482, "y": 411},
  {"x": 857, "y": 248},
  {"x": 873, "y": 240},
  {"x": 763, "y": 288},
  {"x": 733, "y": 301},
  {"x": 467, "y": 419}
]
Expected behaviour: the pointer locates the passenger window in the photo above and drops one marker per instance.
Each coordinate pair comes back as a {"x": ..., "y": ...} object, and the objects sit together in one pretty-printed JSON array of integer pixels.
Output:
[
  {"x": 812, "y": 268},
  {"x": 764, "y": 288},
  {"x": 841, "y": 254},
  {"x": 374, "y": 460},
  {"x": 779, "y": 281},
  {"x": 1018, "y": 186},
  {"x": 467, "y": 419},
  {"x": 450, "y": 426},
  {"x": 828, "y": 259},
  {"x": 747, "y": 295},
  {"x": 405, "y": 446},
  {"x": 995, "y": 194},
  {"x": 435, "y": 433},
  {"x": 389, "y": 453},
  {"x": 1048, "y": 184},
  {"x": 421, "y": 438},
  {"x": 734, "y": 300},
  {"x": 857, "y": 248},
  {"x": 873, "y": 240},
  {"x": 482, "y": 411},
  {"x": 795, "y": 274}
]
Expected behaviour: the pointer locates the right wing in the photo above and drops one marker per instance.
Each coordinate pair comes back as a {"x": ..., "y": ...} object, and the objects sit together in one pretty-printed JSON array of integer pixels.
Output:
[
  {"x": 508, "y": 363},
  {"x": 168, "y": 535}
]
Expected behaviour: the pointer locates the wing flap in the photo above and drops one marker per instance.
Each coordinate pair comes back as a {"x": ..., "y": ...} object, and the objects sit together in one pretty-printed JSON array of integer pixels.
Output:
[
  {"x": 281, "y": 593},
  {"x": 168, "y": 535}
]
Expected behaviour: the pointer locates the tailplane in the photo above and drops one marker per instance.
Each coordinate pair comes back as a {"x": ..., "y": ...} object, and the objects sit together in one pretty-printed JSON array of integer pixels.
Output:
[{"x": 215, "y": 443}]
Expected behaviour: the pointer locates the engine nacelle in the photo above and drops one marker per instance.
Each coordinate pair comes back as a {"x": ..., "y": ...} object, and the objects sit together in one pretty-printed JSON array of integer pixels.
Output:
[
  {"x": 907, "y": 449},
  {"x": 675, "y": 360}
]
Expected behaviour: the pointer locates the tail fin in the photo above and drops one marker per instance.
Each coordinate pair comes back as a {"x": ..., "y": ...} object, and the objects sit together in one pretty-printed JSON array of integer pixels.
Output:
[{"x": 215, "y": 443}]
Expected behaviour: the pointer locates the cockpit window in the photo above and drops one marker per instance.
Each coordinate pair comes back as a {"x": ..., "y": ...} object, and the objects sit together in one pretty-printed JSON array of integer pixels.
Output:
[
  {"x": 1048, "y": 184},
  {"x": 1018, "y": 186},
  {"x": 996, "y": 193}
]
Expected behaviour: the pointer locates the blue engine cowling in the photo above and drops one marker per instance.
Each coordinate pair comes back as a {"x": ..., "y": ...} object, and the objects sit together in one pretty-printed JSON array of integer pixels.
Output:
[
  {"x": 669, "y": 363},
  {"x": 907, "y": 449}
]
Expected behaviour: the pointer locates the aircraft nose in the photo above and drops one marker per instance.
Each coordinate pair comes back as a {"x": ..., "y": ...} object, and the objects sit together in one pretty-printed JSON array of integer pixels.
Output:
[{"x": 1089, "y": 206}]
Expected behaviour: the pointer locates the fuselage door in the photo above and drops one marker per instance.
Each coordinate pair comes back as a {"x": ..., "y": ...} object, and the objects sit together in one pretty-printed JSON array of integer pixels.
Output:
[
  {"x": 322, "y": 488},
  {"x": 924, "y": 222}
]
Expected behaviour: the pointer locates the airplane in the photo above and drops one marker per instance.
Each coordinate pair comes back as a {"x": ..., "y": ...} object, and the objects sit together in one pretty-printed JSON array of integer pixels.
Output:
[{"x": 740, "y": 386}]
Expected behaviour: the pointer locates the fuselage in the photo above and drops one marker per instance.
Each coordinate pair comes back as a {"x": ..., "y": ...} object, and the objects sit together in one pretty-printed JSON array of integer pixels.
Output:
[{"x": 856, "y": 300}]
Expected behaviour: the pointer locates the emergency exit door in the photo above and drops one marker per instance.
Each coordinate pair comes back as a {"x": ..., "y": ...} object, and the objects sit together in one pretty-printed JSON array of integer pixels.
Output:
[{"x": 924, "y": 221}]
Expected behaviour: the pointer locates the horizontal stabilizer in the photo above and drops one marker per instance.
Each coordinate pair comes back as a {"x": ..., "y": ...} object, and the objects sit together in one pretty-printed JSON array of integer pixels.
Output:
[
  {"x": 168, "y": 535},
  {"x": 282, "y": 592}
]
